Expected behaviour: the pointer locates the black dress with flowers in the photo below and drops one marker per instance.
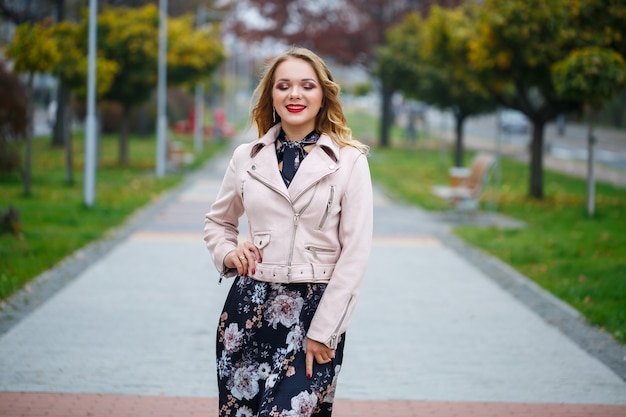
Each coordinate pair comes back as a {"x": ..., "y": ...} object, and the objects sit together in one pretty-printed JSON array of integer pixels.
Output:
[{"x": 261, "y": 344}]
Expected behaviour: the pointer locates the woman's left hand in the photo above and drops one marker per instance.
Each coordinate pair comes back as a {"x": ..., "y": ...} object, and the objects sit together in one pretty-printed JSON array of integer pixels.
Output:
[{"x": 322, "y": 354}]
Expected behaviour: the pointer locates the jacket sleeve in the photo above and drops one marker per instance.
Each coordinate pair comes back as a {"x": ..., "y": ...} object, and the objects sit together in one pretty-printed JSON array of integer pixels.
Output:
[
  {"x": 222, "y": 221},
  {"x": 355, "y": 234}
]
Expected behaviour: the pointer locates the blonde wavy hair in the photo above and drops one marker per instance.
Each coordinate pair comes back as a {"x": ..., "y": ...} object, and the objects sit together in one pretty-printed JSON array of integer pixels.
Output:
[{"x": 330, "y": 119}]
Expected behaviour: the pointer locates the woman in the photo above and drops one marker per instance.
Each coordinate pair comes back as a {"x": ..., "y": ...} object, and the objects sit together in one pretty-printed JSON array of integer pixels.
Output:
[{"x": 305, "y": 188}]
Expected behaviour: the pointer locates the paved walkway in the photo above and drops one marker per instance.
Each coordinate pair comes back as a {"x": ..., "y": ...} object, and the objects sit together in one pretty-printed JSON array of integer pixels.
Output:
[{"x": 126, "y": 328}]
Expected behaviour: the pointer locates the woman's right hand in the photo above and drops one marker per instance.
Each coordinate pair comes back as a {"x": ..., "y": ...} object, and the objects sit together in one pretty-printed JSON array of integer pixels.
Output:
[{"x": 243, "y": 259}]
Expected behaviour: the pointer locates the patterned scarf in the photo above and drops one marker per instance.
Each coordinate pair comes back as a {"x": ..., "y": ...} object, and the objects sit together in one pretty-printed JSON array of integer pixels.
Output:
[{"x": 292, "y": 153}]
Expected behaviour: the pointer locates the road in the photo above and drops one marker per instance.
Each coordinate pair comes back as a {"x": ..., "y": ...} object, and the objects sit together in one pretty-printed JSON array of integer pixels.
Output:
[{"x": 609, "y": 151}]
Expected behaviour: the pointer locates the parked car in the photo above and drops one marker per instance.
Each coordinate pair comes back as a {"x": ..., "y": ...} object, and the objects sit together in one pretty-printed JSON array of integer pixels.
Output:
[{"x": 513, "y": 121}]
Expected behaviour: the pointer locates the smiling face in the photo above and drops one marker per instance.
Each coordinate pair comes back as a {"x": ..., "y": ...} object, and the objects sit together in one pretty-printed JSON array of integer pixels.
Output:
[{"x": 297, "y": 97}]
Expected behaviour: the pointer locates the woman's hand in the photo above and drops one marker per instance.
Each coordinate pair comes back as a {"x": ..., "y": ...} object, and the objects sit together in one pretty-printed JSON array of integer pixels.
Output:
[
  {"x": 243, "y": 258},
  {"x": 322, "y": 354}
]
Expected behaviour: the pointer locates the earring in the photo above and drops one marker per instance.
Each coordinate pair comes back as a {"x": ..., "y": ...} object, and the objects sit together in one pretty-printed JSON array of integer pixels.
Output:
[{"x": 273, "y": 115}]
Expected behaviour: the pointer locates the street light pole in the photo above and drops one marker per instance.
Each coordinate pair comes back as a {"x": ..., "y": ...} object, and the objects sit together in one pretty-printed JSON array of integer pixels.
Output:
[
  {"x": 198, "y": 129},
  {"x": 161, "y": 149},
  {"x": 90, "y": 133}
]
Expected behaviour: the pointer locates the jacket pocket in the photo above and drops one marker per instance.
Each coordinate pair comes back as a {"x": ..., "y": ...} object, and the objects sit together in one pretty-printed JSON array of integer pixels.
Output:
[
  {"x": 262, "y": 239},
  {"x": 329, "y": 207},
  {"x": 318, "y": 251}
]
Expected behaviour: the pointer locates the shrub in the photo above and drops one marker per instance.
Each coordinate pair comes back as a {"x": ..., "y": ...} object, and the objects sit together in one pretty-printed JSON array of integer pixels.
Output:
[
  {"x": 10, "y": 221},
  {"x": 13, "y": 120}
]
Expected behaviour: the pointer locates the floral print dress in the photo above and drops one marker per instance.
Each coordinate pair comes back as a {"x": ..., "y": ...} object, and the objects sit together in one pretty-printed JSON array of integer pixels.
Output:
[{"x": 261, "y": 350}]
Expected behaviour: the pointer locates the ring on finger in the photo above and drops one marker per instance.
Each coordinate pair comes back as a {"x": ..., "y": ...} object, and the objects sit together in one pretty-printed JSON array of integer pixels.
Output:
[{"x": 243, "y": 258}]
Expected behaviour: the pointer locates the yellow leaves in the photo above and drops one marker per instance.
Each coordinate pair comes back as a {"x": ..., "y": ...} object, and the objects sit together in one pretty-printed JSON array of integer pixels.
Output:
[
  {"x": 33, "y": 49},
  {"x": 129, "y": 33},
  {"x": 192, "y": 53},
  {"x": 478, "y": 55},
  {"x": 589, "y": 74},
  {"x": 127, "y": 50},
  {"x": 503, "y": 59},
  {"x": 406, "y": 36}
]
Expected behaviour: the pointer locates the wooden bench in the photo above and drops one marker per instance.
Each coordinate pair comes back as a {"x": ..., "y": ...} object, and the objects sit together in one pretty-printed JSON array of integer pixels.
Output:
[{"x": 465, "y": 189}]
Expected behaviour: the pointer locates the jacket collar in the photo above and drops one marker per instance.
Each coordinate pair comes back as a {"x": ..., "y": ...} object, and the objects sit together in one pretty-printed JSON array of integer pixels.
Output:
[
  {"x": 325, "y": 142},
  {"x": 323, "y": 160}
]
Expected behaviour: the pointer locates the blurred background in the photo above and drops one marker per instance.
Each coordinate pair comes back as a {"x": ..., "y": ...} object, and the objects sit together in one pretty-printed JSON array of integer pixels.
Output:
[{"x": 539, "y": 82}]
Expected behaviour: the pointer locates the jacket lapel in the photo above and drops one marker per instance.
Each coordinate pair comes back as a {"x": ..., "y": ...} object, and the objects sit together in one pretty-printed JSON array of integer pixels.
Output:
[
  {"x": 264, "y": 167},
  {"x": 317, "y": 164}
]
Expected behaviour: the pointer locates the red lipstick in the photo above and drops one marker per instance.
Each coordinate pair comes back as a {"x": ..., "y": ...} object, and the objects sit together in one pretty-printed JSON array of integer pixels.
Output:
[{"x": 295, "y": 108}]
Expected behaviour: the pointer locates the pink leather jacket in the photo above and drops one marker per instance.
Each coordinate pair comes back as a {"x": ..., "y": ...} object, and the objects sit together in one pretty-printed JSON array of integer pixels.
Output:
[{"x": 317, "y": 230}]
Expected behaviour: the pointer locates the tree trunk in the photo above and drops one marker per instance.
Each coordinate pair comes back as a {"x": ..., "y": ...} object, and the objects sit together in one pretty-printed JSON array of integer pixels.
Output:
[
  {"x": 60, "y": 131},
  {"x": 386, "y": 119},
  {"x": 124, "y": 129},
  {"x": 64, "y": 123},
  {"x": 69, "y": 160},
  {"x": 591, "y": 181},
  {"x": 458, "y": 148},
  {"x": 142, "y": 120},
  {"x": 536, "y": 161},
  {"x": 98, "y": 136}
]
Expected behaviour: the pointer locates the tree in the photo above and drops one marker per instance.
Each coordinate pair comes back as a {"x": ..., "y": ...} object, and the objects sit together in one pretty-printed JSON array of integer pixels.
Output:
[
  {"x": 193, "y": 53},
  {"x": 33, "y": 51},
  {"x": 449, "y": 84},
  {"x": 348, "y": 32},
  {"x": 62, "y": 119},
  {"x": 36, "y": 48},
  {"x": 35, "y": 11},
  {"x": 516, "y": 44},
  {"x": 126, "y": 64},
  {"x": 128, "y": 37},
  {"x": 590, "y": 75},
  {"x": 428, "y": 58},
  {"x": 72, "y": 74},
  {"x": 399, "y": 65}
]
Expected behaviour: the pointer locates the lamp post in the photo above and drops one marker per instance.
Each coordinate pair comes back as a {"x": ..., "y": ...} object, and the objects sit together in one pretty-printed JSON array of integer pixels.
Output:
[
  {"x": 90, "y": 132},
  {"x": 161, "y": 148},
  {"x": 198, "y": 138}
]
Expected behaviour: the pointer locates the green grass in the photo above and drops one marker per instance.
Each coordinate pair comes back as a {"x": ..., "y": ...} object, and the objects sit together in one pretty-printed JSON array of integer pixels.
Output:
[
  {"x": 365, "y": 127},
  {"x": 579, "y": 259},
  {"x": 54, "y": 220}
]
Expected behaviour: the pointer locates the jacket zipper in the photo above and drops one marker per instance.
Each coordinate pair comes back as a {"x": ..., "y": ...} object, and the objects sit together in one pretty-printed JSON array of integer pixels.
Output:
[
  {"x": 296, "y": 220},
  {"x": 315, "y": 250},
  {"x": 329, "y": 206},
  {"x": 243, "y": 183},
  {"x": 334, "y": 337}
]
